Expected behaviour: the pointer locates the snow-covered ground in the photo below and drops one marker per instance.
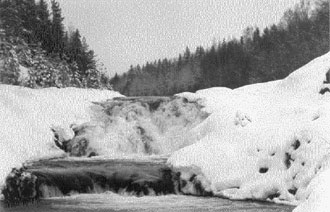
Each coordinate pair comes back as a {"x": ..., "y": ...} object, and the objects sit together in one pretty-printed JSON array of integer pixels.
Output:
[{"x": 262, "y": 141}]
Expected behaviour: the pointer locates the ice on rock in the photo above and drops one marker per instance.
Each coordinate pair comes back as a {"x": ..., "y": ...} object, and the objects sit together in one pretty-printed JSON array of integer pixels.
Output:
[
  {"x": 242, "y": 119},
  {"x": 266, "y": 141}
]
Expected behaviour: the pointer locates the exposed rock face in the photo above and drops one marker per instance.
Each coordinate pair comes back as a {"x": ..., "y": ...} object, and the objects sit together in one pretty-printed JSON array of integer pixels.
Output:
[{"x": 20, "y": 188}]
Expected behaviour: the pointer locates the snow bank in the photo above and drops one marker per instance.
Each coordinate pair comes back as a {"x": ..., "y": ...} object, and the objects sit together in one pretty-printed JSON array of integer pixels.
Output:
[
  {"x": 27, "y": 115},
  {"x": 268, "y": 141}
]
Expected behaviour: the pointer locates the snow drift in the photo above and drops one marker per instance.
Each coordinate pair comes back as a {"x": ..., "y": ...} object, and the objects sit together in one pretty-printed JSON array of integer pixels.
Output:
[{"x": 267, "y": 141}]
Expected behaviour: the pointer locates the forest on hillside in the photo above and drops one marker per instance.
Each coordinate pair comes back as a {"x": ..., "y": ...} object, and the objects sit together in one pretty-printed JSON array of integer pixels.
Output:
[
  {"x": 36, "y": 50},
  {"x": 257, "y": 56}
]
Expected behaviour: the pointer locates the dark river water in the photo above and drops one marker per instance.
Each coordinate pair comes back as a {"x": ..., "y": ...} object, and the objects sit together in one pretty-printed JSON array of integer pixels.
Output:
[{"x": 123, "y": 200}]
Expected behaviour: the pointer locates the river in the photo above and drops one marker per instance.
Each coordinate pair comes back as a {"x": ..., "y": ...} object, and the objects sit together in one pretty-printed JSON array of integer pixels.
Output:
[{"x": 98, "y": 200}]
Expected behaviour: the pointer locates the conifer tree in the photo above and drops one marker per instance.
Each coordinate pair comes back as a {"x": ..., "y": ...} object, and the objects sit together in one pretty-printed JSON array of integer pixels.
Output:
[
  {"x": 35, "y": 43},
  {"x": 28, "y": 13},
  {"x": 57, "y": 29},
  {"x": 43, "y": 28},
  {"x": 10, "y": 19},
  {"x": 74, "y": 49}
]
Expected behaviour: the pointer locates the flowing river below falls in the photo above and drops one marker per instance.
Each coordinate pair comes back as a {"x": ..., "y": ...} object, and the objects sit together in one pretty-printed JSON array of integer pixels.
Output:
[{"x": 105, "y": 197}]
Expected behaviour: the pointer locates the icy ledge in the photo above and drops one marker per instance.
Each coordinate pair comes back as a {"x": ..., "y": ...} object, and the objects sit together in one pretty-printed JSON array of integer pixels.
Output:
[{"x": 266, "y": 141}]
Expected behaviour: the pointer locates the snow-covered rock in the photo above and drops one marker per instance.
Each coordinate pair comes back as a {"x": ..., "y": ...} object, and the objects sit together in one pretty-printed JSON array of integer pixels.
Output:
[
  {"x": 28, "y": 115},
  {"x": 268, "y": 141}
]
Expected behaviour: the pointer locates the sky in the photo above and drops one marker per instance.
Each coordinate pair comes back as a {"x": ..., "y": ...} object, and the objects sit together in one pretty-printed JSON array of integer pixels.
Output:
[{"x": 131, "y": 32}]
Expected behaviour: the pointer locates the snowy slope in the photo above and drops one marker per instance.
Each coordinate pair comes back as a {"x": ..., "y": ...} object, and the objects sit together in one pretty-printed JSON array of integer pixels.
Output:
[
  {"x": 27, "y": 115},
  {"x": 263, "y": 141}
]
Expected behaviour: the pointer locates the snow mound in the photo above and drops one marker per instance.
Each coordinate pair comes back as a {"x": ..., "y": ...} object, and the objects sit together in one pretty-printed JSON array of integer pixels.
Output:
[
  {"x": 268, "y": 141},
  {"x": 27, "y": 116}
]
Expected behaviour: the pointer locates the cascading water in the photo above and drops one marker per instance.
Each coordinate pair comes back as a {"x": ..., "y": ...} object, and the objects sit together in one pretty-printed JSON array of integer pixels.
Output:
[
  {"x": 136, "y": 125},
  {"x": 141, "y": 126}
]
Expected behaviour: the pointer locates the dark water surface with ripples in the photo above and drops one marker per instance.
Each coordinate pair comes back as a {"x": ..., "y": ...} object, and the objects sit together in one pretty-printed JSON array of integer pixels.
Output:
[{"x": 125, "y": 201}]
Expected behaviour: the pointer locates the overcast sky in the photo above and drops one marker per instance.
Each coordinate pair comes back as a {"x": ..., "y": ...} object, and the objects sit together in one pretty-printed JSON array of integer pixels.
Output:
[{"x": 125, "y": 32}]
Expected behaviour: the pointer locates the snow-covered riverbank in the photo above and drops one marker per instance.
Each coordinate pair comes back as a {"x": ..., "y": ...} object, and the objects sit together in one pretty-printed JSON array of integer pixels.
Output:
[
  {"x": 263, "y": 141},
  {"x": 27, "y": 115}
]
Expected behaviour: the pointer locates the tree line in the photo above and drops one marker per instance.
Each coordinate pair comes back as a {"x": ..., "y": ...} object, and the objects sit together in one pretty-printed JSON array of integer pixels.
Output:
[
  {"x": 257, "y": 56},
  {"x": 37, "y": 51}
]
